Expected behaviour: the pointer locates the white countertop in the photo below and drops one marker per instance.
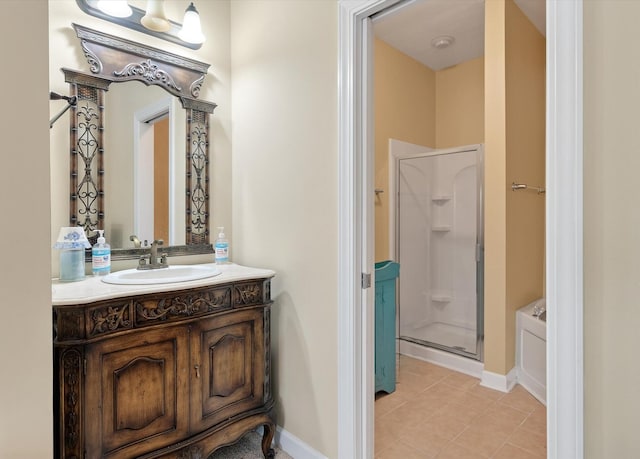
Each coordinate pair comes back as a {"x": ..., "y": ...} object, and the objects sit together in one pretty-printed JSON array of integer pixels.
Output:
[{"x": 93, "y": 289}]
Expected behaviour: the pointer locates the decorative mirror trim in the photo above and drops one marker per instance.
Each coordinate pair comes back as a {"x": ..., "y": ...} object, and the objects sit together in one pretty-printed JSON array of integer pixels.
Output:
[
  {"x": 113, "y": 60},
  {"x": 119, "y": 59},
  {"x": 133, "y": 22}
]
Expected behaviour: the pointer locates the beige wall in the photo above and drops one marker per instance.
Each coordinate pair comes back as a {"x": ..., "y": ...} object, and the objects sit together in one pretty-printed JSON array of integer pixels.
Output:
[
  {"x": 26, "y": 416},
  {"x": 65, "y": 51},
  {"x": 405, "y": 106},
  {"x": 495, "y": 188},
  {"x": 460, "y": 104},
  {"x": 285, "y": 199},
  {"x": 514, "y": 150},
  {"x": 525, "y": 109},
  {"x": 417, "y": 105},
  {"x": 611, "y": 222},
  {"x": 611, "y": 139}
]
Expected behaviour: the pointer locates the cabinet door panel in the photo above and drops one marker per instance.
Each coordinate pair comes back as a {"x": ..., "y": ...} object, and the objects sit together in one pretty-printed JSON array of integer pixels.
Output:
[
  {"x": 137, "y": 396},
  {"x": 228, "y": 353}
]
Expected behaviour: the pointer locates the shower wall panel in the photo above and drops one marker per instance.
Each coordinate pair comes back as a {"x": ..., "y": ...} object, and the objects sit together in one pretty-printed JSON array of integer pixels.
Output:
[{"x": 438, "y": 220}]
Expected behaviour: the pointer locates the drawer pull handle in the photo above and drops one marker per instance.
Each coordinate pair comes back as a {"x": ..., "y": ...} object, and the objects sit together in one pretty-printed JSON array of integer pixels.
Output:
[{"x": 197, "y": 367}]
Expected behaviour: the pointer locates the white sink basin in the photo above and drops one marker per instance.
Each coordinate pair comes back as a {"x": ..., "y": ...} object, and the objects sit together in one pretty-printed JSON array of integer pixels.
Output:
[{"x": 175, "y": 273}]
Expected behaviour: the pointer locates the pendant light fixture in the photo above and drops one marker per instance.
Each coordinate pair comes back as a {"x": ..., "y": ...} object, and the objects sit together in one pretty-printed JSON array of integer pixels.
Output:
[
  {"x": 115, "y": 8},
  {"x": 155, "y": 19},
  {"x": 191, "y": 31}
]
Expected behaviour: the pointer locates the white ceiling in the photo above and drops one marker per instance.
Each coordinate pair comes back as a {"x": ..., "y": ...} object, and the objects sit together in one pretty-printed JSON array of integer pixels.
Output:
[{"x": 411, "y": 26}]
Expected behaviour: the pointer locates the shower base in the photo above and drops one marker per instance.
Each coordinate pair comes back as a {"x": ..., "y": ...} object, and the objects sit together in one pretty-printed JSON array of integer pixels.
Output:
[
  {"x": 459, "y": 340},
  {"x": 446, "y": 359}
]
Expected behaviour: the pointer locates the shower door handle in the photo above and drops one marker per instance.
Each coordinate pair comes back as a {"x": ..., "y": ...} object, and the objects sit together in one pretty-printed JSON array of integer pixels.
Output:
[{"x": 478, "y": 249}]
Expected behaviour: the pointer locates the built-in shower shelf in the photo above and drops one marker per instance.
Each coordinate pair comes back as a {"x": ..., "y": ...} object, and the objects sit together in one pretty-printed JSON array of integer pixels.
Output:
[
  {"x": 440, "y": 199},
  {"x": 441, "y": 229},
  {"x": 441, "y": 298}
]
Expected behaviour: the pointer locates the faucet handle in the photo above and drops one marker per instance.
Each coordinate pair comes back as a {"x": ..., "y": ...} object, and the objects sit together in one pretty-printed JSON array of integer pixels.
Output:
[{"x": 158, "y": 242}]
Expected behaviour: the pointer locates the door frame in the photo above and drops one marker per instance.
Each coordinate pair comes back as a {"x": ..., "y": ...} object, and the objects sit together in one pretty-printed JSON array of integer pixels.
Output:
[{"x": 564, "y": 229}]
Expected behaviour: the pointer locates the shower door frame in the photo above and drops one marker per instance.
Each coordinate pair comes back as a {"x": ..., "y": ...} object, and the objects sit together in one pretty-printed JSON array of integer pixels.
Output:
[{"x": 394, "y": 227}]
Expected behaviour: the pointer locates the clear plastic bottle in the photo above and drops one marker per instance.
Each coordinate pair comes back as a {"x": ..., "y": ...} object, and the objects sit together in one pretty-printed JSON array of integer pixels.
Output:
[
  {"x": 221, "y": 247},
  {"x": 101, "y": 256}
]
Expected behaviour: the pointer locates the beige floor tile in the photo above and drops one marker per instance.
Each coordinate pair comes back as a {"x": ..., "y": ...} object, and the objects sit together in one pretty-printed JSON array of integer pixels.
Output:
[
  {"x": 423, "y": 439},
  {"x": 405, "y": 416},
  {"x": 521, "y": 400},
  {"x": 446, "y": 425},
  {"x": 485, "y": 392},
  {"x": 420, "y": 367},
  {"x": 459, "y": 411},
  {"x": 382, "y": 439},
  {"x": 410, "y": 384},
  {"x": 532, "y": 442},
  {"x": 400, "y": 450},
  {"x": 475, "y": 403},
  {"x": 512, "y": 452},
  {"x": 391, "y": 425},
  {"x": 442, "y": 391},
  {"x": 502, "y": 418},
  {"x": 385, "y": 403},
  {"x": 537, "y": 421},
  {"x": 429, "y": 405},
  {"x": 481, "y": 439},
  {"x": 437, "y": 412},
  {"x": 461, "y": 381},
  {"x": 455, "y": 451}
]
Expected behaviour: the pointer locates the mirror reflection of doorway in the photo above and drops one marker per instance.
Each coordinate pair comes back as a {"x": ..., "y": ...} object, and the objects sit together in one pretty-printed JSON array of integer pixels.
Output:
[
  {"x": 161, "y": 178},
  {"x": 152, "y": 160}
]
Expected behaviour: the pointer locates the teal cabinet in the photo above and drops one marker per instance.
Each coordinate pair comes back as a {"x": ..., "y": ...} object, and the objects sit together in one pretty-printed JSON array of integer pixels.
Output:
[{"x": 385, "y": 325}]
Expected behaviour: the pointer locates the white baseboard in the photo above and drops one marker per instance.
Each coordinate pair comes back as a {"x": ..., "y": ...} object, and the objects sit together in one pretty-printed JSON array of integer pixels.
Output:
[
  {"x": 503, "y": 383},
  {"x": 536, "y": 389},
  {"x": 292, "y": 445}
]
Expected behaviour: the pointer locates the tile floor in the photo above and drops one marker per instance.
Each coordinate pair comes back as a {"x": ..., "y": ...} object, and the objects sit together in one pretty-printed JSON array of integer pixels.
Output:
[{"x": 439, "y": 413}]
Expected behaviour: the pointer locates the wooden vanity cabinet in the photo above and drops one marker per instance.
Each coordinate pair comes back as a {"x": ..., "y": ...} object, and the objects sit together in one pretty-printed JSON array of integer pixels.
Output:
[{"x": 163, "y": 375}]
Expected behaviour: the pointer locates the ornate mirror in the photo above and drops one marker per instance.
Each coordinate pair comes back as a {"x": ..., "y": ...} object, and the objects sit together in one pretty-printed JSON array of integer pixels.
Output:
[{"x": 115, "y": 60}]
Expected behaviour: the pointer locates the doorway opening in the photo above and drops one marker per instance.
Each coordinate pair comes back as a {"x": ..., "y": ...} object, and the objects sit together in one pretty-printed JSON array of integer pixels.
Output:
[{"x": 563, "y": 228}]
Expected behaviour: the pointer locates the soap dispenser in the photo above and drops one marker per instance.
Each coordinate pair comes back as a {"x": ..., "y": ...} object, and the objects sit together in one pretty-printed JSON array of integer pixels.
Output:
[
  {"x": 221, "y": 247},
  {"x": 101, "y": 256}
]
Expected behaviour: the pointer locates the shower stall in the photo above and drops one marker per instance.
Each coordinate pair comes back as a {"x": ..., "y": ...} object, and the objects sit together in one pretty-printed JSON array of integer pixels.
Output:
[{"x": 439, "y": 245}]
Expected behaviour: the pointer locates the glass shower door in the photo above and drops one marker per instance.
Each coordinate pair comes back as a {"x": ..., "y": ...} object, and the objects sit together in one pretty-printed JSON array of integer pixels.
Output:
[{"x": 439, "y": 247}]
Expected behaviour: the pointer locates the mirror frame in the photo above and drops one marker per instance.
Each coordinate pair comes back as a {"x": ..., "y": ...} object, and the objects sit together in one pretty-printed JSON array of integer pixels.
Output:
[{"x": 114, "y": 60}]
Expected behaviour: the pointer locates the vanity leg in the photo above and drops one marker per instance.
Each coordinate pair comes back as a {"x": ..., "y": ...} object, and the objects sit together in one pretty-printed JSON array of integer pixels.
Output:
[{"x": 267, "y": 438}]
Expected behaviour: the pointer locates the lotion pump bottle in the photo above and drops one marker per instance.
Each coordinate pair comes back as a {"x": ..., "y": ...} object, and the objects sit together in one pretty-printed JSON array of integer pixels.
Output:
[
  {"x": 221, "y": 247},
  {"x": 101, "y": 256}
]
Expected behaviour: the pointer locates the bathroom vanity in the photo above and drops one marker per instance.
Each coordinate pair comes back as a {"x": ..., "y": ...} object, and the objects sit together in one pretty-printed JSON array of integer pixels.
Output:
[{"x": 174, "y": 370}]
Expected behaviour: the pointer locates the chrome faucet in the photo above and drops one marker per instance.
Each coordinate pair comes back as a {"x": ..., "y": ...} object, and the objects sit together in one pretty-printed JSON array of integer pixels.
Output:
[
  {"x": 154, "y": 263},
  {"x": 136, "y": 242}
]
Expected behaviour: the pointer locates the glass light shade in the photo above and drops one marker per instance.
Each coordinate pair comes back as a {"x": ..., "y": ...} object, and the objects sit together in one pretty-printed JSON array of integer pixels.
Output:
[
  {"x": 155, "y": 19},
  {"x": 115, "y": 8},
  {"x": 191, "y": 31}
]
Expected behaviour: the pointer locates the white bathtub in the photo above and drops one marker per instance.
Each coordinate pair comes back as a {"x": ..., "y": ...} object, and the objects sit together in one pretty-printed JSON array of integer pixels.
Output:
[{"x": 531, "y": 351}]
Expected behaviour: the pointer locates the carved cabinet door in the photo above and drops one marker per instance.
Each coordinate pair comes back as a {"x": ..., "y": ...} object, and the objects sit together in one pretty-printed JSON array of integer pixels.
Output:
[
  {"x": 227, "y": 366},
  {"x": 137, "y": 391}
]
